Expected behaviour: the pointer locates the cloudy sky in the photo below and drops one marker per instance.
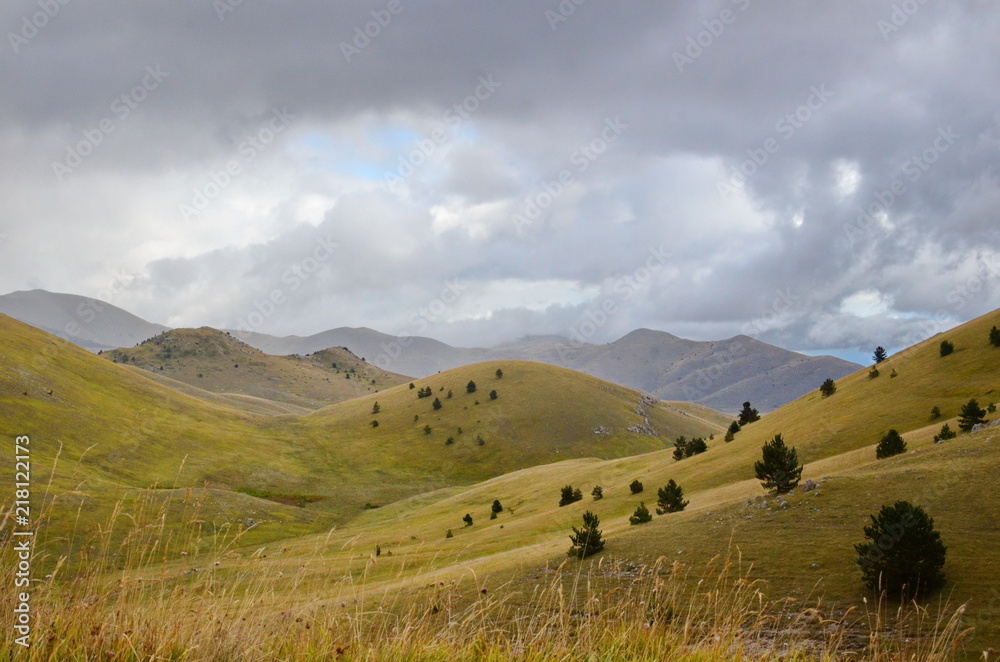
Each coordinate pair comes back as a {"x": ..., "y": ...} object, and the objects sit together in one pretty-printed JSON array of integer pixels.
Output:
[{"x": 823, "y": 175}]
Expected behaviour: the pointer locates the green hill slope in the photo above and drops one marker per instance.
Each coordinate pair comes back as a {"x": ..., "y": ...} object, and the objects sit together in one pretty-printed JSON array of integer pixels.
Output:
[
  {"x": 215, "y": 361},
  {"x": 803, "y": 549},
  {"x": 114, "y": 429}
]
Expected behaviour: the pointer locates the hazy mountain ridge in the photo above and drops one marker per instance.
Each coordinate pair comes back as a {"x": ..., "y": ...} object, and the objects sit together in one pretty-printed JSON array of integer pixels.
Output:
[
  {"x": 719, "y": 374},
  {"x": 89, "y": 323}
]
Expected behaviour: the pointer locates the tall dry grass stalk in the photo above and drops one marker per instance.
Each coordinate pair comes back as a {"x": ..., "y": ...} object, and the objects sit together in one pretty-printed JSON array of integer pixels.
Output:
[{"x": 147, "y": 585}]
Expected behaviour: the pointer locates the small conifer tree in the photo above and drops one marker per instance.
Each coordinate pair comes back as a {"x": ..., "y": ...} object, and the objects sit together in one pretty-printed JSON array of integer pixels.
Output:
[
  {"x": 588, "y": 539},
  {"x": 828, "y": 388},
  {"x": 904, "y": 555},
  {"x": 779, "y": 468},
  {"x": 641, "y": 515},
  {"x": 891, "y": 444},
  {"x": 971, "y": 416},
  {"x": 748, "y": 415},
  {"x": 670, "y": 498}
]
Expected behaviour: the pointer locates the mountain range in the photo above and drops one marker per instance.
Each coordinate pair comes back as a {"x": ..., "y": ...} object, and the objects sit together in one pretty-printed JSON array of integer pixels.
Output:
[{"x": 718, "y": 374}]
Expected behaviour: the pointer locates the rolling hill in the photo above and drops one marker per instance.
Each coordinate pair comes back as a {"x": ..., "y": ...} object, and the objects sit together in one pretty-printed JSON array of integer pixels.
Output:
[
  {"x": 800, "y": 545},
  {"x": 215, "y": 361},
  {"x": 718, "y": 374},
  {"x": 89, "y": 323},
  {"x": 115, "y": 430},
  {"x": 548, "y": 427}
]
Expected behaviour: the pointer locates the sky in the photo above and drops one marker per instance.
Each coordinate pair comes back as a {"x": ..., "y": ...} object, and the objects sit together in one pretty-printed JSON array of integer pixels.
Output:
[{"x": 822, "y": 176}]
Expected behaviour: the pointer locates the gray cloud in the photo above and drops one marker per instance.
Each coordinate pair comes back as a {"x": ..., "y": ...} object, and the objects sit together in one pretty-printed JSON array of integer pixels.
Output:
[{"x": 842, "y": 157}]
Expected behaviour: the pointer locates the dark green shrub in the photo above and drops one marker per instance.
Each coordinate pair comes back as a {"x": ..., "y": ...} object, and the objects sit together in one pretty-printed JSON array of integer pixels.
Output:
[
  {"x": 670, "y": 498},
  {"x": 946, "y": 348},
  {"x": 779, "y": 468},
  {"x": 945, "y": 434},
  {"x": 588, "y": 539},
  {"x": 748, "y": 415},
  {"x": 971, "y": 416},
  {"x": 891, "y": 444},
  {"x": 641, "y": 515},
  {"x": 904, "y": 555},
  {"x": 828, "y": 388},
  {"x": 635, "y": 486}
]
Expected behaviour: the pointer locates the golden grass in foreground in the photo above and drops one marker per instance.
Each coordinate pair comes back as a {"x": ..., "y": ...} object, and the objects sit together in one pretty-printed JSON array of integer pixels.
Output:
[{"x": 127, "y": 602}]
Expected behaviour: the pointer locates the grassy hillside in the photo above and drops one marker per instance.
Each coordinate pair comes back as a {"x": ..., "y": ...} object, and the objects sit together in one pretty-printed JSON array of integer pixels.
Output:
[
  {"x": 509, "y": 449},
  {"x": 803, "y": 550},
  {"x": 115, "y": 430},
  {"x": 215, "y": 361}
]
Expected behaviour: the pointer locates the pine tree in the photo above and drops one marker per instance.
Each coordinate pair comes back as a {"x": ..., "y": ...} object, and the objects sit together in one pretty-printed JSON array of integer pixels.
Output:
[
  {"x": 671, "y": 498},
  {"x": 947, "y": 347},
  {"x": 935, "y": 413},
  {"x": 588, "y": 539},
  {"x": 995, "y": 337},
  {"x": 496, "y": 508},
  {"x": 499, "y": 373},
  {"x": 779, "y": 468},
  {"x": 971, "y": 416},
  {"x": 880, "y": 354},
  {"x": 635, "y": 486},
  {"x": 470, "y": 387},
  {"x": 467, "y": 519},
  {"x": 891, "y": 444},
  {"x": 597, "y": 493},
  {"x": 680, "y": 448},
  {"x": 828, "y": 388},
  {"x": 375, "y": 408},
  {"x": 493, "y": 395},
  {"x": 905, "y": 555},
  {"x": 641, "y": 515},
  {"x": 945, "y": 434},
  {"x": 748, "y": 415},
  {"x": 695, "y": 446},
  {"x": 569, "y": 495},
  {"x": 436, "y": 404}
]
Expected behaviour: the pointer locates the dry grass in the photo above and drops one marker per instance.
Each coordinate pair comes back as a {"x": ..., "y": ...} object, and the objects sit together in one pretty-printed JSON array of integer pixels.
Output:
[{"x": 128, "y": 598}]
